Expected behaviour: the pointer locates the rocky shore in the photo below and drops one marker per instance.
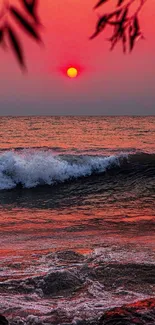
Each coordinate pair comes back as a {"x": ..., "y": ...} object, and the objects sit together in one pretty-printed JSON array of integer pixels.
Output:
[
  {"x": 138, "y": 313},
  {"x": 80, "y": 290}
]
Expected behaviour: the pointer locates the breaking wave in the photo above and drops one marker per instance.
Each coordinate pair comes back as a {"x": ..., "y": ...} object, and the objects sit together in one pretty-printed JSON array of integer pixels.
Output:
[{"x": 32, "y": 168}]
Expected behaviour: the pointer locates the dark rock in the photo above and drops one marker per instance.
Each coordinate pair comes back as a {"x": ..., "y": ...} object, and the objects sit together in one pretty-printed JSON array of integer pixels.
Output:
[
  {"x": 69, "y": 256},
  {"x": 3, "y": 320},
  {"x": 114, "y": 275},
  {"x": 138, "y": 313},
  {"x": 56, "y": 282}
]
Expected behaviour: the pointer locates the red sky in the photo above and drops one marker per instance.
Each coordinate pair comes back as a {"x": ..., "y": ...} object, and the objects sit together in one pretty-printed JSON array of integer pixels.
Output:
[{"x": 109, "y": 82}]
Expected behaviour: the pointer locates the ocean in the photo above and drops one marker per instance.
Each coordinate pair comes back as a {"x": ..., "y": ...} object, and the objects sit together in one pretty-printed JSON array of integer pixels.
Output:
[{"x": 77, "y": 220}]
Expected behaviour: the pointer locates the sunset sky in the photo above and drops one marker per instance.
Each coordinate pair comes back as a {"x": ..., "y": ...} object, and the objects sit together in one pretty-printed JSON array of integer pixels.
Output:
[{"x": 109, "y": 83}]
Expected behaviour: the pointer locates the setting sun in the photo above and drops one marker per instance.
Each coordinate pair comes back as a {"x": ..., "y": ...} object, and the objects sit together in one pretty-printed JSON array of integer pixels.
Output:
[{"x": 72, "y": 72}]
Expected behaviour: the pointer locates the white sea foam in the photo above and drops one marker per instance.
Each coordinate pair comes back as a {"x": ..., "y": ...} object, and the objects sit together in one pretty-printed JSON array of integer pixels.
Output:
[{"x": 33, "y": 168}]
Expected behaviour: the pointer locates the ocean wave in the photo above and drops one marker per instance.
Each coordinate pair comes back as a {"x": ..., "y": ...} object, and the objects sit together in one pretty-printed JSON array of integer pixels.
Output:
[{"x": 32, "y": 168}]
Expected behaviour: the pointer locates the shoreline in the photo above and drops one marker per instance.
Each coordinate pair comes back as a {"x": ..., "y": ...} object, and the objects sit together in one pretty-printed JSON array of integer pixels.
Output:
[{"x": 141, "y": 312}]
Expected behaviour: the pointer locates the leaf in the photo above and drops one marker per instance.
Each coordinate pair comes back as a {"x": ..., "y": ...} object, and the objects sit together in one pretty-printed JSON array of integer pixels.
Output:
[
  {"x": 16, "y": 46},
  {"x": 101, "y": 2},
  {"x": 25, "y": 24},
  {"x": 34, "y": 5},
  {"x": 31, "y": 8},
  {"x": 114, "y": 41},
  {"x": 131, "y": 42},
  {"x": 136, "y": 25},
  {"x": 1, "y": 35},
  {"x": 94, "y": 35},
  {"x": 121, "y": 22},
  {"x": 124, "y": 16},
  {"x": 118, "y": 12},
  {"x": 124, "y": 42},
  {"x": 101, "y": 24},
  {"x": 131, "y": 38},
  {"x": 120, "y": 2}
]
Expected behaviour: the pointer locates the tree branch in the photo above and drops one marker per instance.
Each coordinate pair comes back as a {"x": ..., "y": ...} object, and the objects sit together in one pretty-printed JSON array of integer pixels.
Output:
[
  {"x": 125, "y": 25},
  {"x": 26, "y": 18}
]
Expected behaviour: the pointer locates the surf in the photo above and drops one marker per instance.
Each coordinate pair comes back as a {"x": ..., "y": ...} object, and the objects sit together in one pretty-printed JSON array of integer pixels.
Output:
[{"x": 33, "y": 168}]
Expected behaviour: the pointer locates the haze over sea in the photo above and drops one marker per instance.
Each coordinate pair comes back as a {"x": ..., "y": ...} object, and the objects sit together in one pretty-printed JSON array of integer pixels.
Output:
[{"x": 77, "y": 216}]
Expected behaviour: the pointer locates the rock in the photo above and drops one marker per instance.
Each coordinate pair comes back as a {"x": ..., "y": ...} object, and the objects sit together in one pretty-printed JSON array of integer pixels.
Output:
[
  {"x": 57, "y": 282},
  {"x": 3, "y": 320},
  {"x": 69, "y": 256},
  {"x": 138, "y": 313},
  {"x": 17, "y": 321},
  {"x": 32, "y": 320}
]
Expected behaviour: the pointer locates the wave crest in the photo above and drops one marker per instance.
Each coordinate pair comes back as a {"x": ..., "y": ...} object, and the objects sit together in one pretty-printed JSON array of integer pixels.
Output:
[{"x": 34, "y": 168}]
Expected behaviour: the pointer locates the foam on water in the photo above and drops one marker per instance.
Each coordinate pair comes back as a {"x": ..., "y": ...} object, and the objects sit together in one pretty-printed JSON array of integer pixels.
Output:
[
  {"x": 33, "y": 168},
  {"x": 85, "y": 288}
]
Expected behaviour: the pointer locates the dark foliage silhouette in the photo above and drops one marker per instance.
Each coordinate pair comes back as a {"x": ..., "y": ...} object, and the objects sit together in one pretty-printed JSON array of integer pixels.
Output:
[
  {"x": 26, "y": 18},
  {"x": 123, "y": 21}
]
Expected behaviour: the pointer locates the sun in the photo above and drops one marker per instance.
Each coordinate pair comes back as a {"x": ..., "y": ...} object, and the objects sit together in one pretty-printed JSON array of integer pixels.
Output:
[{"x": 72, "y": 72}]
